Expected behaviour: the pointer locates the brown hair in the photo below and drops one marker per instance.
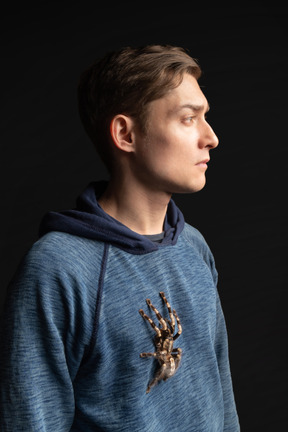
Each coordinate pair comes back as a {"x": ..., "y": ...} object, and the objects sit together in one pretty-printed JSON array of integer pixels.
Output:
[{"x": 124, "y": 82}]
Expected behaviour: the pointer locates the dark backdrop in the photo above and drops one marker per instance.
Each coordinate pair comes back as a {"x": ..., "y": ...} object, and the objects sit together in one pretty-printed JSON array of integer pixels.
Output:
[{"x": 46, "y": 158}]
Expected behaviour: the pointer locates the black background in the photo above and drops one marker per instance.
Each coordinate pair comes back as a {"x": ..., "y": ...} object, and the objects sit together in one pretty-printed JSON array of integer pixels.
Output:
[{"x": 46, "y": 158}]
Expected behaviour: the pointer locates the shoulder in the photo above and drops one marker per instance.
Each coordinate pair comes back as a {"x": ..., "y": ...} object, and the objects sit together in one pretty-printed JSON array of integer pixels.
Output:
[
  {"x": 60, "y": 272},
  {"x": 196, "y": 240},
  {"x": 58, "y": 253},
  {"x": 54, "y": 292}
]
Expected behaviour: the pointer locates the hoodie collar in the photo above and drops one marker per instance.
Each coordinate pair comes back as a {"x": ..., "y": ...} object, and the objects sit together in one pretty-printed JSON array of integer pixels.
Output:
[{"x": 90, "y": 221}]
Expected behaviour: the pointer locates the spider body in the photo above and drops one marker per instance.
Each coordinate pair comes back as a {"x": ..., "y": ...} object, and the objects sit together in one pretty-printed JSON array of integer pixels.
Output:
[{"x": 168, "y": 357}]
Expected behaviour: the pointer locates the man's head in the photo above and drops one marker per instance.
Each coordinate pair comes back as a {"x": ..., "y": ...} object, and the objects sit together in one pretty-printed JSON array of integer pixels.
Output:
[{"x": 125, "y": 82}]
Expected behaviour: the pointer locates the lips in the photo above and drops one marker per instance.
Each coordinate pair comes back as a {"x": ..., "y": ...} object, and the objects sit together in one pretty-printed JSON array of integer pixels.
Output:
[{"x": 203, "y": 162}]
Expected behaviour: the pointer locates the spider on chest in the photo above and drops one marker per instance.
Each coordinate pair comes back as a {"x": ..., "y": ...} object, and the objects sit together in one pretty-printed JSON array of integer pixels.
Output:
[{"x": 168, "y": 357}]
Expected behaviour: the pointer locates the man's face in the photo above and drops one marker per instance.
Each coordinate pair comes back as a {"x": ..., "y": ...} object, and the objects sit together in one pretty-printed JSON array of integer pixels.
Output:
[{"x": 173, "y": 154}]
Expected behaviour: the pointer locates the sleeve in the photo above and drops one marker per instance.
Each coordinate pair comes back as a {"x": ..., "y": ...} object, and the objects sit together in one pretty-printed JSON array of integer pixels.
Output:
[
  {"x": 231, "y": 421},
  {"x": 38, "y": 359}
]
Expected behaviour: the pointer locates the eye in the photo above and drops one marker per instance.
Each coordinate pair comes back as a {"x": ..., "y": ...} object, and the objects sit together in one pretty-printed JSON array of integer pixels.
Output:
[{"x": 188, "y": 119}]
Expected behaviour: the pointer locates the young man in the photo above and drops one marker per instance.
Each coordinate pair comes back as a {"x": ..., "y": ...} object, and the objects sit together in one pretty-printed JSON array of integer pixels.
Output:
[{"x": 113, "y": 321}]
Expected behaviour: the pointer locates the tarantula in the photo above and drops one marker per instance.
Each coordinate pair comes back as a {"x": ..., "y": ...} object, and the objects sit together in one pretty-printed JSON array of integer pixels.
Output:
[{"x": 167, "y": 356}]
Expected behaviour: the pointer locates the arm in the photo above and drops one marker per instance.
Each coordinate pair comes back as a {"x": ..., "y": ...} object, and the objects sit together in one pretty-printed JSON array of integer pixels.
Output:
[
  {"x": 36, "y": 368},
  {"x": 231, "y": 423}
]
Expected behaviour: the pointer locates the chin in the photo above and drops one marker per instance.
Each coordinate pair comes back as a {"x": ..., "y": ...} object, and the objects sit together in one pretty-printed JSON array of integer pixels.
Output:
[{"x": 192, "y": 187}]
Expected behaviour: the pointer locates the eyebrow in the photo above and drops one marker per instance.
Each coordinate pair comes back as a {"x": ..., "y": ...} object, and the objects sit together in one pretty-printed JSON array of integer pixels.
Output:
[{"x": 193, "y": 107}]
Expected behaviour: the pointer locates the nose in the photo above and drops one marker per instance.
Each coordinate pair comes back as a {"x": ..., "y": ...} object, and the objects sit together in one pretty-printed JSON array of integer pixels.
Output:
[{"x": 208, "y": 137}]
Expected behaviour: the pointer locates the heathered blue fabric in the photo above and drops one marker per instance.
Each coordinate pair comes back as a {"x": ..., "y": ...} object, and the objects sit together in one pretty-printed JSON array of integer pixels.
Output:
[{"x": 72, "y": 335}]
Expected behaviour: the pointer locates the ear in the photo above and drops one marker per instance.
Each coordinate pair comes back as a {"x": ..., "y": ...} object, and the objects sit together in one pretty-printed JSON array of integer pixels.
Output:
[{"x": 122, "y": 132}]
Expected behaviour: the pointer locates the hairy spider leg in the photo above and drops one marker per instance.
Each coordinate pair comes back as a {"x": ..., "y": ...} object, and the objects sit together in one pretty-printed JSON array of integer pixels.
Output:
[
  {"x": 159, "y": 375},
  {"x": 172, "y": 323},
  {"x": 144, "y": 354},
  {"x": 176, "y": 354},
  {"x": 178, "y": 325},
  {"x": 153, "y": 325},
  {"x": 158, "y": 315}
]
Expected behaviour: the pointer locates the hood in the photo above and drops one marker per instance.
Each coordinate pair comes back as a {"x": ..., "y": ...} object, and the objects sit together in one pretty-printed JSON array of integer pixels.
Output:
[{"x": 89, "y": 220}]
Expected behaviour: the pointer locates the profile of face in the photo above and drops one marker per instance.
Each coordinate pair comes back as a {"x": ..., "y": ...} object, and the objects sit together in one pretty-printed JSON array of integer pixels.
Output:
[{"x": 173, "y": 155}]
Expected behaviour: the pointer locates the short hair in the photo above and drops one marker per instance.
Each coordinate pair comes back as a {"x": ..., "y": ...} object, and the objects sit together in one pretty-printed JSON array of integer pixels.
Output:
[{"x": 124, "y": 82}]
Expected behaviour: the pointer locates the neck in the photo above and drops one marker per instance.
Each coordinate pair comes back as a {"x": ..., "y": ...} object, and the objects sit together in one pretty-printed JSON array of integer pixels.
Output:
[{"x": 141, "y": 210}]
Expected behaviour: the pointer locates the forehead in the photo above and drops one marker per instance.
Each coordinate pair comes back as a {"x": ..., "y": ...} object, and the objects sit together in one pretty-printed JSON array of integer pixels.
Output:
[{"x": 187, "y": 95}]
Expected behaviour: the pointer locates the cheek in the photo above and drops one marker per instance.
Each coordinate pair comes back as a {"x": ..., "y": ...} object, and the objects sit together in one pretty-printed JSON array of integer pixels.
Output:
[
  {"x": 170, "y": 147},
  {"x": 156, "y": 145},
  {"x": 165, "y": 142}
]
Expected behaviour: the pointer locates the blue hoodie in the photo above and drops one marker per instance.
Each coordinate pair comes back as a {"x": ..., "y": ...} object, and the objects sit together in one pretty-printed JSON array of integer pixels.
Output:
[{"x": 72, "y": 334}]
